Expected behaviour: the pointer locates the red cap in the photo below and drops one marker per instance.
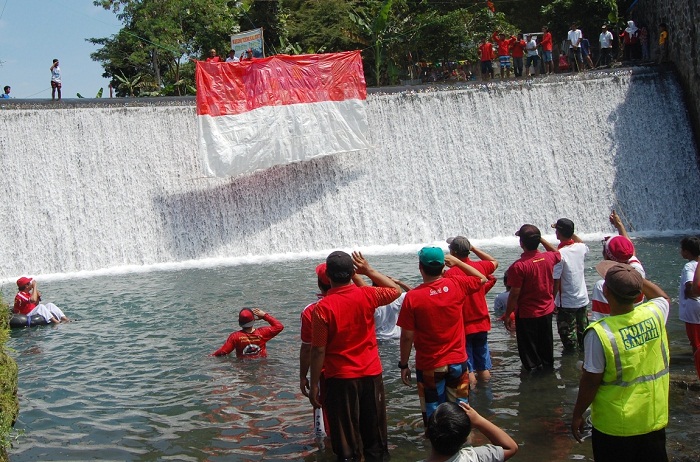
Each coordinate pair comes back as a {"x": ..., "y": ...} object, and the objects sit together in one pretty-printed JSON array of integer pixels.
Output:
[
  {"x": 618, "y": 248},
  {"x": 23, "y": 281},
  {"x": 246, "y": 318},
  {"x": 321, "y": 273}
]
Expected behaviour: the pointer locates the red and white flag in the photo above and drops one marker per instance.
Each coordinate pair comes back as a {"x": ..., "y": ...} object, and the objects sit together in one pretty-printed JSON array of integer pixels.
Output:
[{"x": 264, "y": 112}]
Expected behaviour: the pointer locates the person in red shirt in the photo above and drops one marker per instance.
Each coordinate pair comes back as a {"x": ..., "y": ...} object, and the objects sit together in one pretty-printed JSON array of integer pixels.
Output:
[
  {"x": 431, "y": 318},
  {"x": 532, "y": 291},
  {"x": 250, "y": 342},
  {"x": 475, "y": 310},
  {"x": 27, "y": 303},
  {"x": 486, "y": 56},
  {"x": 504, "y": 46},
  {"x": 518, "y": 47},
  {"x": 324, "y": 285},
  {"x": 344, "y": 346},
  {"x": 547, "y": 50},
  {"x": 213, "y": 58}
]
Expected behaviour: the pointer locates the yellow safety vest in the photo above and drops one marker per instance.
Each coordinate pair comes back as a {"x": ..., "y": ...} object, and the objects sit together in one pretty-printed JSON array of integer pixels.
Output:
[{"x": 633, "y": 396}]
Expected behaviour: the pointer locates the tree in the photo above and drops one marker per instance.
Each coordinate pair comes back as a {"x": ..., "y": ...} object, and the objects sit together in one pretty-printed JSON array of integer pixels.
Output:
[{"x": 158, "y": 36}]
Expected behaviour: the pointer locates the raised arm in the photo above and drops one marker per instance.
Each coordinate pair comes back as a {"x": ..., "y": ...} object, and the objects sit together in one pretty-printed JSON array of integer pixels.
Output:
[
  {"x": 451, "y": 260},
  {"x": 484, "y": 256},
  {"x": 362, "y": 266},
  {"x": 547, "y": 245},
  {"x": 617, "y": 223},
  {"x": 495, "y": 434}
]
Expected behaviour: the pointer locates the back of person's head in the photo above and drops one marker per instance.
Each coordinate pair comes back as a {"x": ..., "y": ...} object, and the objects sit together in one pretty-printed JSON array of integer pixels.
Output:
[
  {"x": 459, "y": 246},
  {"x": 529, "y": 236},
  {"x": 431, "y": 260},
  {"x": 324, "y": 284},
  {"x": 691, "y": 244},
  {"x": 339, "y": 267},
  {"x": 448, "y": 428},
  {"x": 623, "y": 283}
]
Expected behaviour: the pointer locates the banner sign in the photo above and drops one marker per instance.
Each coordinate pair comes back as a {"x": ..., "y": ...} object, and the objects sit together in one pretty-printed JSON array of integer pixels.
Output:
[
  {"x": 263, "y": 112},
  {"x": 252, "y": 39}
]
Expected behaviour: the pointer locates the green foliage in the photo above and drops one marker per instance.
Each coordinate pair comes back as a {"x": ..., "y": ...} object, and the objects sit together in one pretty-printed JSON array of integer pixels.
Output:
[
  {"x": 588, "y": 14},
  {"x": 9, "y": 405},
  {"x": 159, "y": 36}
]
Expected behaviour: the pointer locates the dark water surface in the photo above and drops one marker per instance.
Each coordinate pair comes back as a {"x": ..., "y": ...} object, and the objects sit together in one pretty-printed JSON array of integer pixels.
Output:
[{"x": 131, "y": 379}]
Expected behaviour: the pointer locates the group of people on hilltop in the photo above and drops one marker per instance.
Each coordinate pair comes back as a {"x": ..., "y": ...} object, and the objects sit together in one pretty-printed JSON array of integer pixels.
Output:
[
  {"x": 446, "y": 321},
  {"x": 522, "y": 53}
]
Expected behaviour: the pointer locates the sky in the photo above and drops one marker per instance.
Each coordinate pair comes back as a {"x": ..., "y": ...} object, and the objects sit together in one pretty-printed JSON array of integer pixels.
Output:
[{"x": 34, "y": 32}]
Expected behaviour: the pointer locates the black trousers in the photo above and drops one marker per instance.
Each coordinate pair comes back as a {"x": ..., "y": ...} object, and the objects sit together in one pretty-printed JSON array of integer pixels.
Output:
[
  {"x": 356, "y": 410},
  {"x": 650, "y": 447},
  {"x": 535, "y": 341}
]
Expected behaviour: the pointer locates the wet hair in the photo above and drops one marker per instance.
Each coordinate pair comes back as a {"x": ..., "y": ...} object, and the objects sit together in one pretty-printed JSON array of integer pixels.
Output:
[
  {"x": 448, "y": 428},
  {"x": 432, "y": 270},
  {"x": 691, "y": 244}
]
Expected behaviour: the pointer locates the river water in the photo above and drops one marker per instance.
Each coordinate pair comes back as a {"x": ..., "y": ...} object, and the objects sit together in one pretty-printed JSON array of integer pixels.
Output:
[{"x": 131, "y": 378}]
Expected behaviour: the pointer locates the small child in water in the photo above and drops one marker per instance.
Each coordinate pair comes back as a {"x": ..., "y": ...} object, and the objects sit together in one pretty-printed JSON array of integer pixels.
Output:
[{"x": 448, "y": 429}]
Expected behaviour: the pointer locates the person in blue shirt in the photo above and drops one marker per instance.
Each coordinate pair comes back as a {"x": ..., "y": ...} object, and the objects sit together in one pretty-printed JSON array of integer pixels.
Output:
[
  {"x": 586, "y": 52},
  {"x": 7, "y": 92}
]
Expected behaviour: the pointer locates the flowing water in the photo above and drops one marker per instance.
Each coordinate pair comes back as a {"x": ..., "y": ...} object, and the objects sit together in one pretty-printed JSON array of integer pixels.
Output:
[
  {"x": 131, "y": 379},
  {"x": 106, "y": 204}
]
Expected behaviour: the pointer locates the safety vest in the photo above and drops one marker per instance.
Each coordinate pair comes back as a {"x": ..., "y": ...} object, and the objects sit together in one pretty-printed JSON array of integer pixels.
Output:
[{"x": 633, "y": 395}]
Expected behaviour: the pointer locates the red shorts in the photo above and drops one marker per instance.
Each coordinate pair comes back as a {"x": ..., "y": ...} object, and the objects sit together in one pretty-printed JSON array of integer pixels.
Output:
[{"x": 55, "y": 84}]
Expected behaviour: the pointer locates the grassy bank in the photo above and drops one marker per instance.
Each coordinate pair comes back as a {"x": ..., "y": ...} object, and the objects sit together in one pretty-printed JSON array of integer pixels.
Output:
[{"x": 9, "y": 406}]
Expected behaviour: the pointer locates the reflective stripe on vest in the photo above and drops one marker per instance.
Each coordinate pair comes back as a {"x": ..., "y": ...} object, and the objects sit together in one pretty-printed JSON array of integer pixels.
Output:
[
  {"x": 618, "y": 362},
  {"x": 633, "y": 396}
]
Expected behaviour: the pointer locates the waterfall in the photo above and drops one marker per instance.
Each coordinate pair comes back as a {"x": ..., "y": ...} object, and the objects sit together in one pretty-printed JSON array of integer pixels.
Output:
[{"x": 87, "y": 188}]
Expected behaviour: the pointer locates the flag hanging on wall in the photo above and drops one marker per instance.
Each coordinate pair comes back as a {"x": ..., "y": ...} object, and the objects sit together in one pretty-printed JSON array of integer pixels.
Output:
[{"x": 264, "y": 112}]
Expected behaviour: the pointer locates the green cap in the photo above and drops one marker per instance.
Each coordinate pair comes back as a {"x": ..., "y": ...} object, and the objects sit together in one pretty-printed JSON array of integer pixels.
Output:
[{"x": 431, "y": 256}]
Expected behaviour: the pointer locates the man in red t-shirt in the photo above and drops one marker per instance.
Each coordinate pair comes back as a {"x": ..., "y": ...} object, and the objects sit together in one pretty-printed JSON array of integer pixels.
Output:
[
  {"x": 344, "y": 346},
  {"x": 531, "y": 280},
  {"x": 486, "y": 56},
  {"x": 475, "y": 311},
  {"x": 431, "y": 318},
  {"x": 250, "y": 342},
  {"x": 504, "y": 44}
]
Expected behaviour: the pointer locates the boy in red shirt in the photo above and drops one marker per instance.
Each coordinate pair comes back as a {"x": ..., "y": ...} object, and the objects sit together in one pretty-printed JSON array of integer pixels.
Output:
[
  {"x": 250, "y": 342},
  {"x": 518, "y": 47},
  {"x": 486, "y": 56}
]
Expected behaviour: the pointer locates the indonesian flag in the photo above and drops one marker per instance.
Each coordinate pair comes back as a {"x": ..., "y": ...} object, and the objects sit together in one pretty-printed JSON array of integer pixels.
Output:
[{"x": 264, "y": 112}]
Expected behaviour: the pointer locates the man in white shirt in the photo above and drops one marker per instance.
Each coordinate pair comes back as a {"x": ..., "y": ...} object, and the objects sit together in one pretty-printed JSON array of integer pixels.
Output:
[
  {"x": 232, "y": 58},
  {"x": 574, "y": 39},
  {"x": 571, "y": 293},
  {"x": 605, "y": 39}
]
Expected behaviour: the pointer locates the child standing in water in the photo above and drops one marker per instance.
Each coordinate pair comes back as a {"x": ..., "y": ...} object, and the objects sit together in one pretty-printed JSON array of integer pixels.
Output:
[{"x": 689, "y": 295}]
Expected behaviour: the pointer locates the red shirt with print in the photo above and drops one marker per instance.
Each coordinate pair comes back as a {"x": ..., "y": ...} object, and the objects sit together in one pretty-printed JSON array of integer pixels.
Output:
[
  {"x": 343, "y": 322},
  {"x": 433, "y": 311},
  {"x": 251, "y": 345},
  {"x": 533, "y": 274},
  {"x": 475, "y": 310}
]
